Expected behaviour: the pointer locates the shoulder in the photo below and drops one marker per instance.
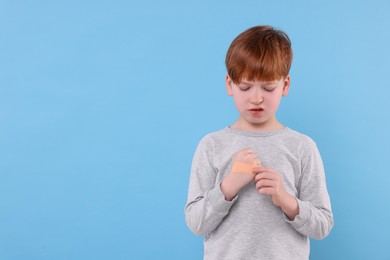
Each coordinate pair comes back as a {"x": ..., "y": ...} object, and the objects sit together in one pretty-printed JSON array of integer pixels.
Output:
[
  {"x": 299, "y": 136},
  {"x": 214, "y": 137},
  {"x": 216, "y": 141},
  {"x": 305, "y": 142},
  {"x": 209, "y": 143}
]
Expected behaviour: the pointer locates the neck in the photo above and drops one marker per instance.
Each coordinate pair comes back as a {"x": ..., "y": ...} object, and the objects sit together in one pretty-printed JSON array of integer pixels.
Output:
[{"x": 270, "y": 125}]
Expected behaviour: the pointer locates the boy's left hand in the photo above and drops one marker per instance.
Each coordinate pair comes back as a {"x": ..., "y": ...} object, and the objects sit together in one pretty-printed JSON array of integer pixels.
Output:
[{"x": 269, "y": 182}]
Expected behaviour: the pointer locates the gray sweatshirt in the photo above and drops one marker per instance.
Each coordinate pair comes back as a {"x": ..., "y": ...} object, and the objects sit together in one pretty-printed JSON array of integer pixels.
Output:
[{"x": 251, "y": 226}]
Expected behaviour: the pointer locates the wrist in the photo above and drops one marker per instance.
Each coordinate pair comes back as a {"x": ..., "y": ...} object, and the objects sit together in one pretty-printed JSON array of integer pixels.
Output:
[
  {"x": 228, "y": 188},
  {"x": 289, "y": 205}
]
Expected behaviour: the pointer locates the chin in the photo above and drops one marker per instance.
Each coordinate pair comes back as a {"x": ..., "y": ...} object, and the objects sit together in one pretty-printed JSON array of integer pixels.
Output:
[{"x": 258, "y": 122}]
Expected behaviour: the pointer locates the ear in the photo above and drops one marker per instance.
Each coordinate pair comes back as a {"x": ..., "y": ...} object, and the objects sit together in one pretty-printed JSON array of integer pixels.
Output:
[
  {"x": 229, "y": 85},
  {"x": 286, "y": 86}
]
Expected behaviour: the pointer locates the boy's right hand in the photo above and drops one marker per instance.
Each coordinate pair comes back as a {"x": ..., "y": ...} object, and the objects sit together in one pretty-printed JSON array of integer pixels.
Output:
[{"x": 241, "y": 173}]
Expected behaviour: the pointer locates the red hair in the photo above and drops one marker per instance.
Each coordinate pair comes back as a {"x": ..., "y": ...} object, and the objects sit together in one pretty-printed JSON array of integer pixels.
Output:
[{"x": 259, "y": 53}]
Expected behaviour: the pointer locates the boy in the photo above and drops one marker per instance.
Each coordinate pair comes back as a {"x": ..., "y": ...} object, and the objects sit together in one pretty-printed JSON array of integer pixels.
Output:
[{"x": 257, "y": 188}]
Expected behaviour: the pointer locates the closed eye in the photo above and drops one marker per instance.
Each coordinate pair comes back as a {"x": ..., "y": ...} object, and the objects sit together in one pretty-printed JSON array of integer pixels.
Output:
[{"x": 244, "y": 87}]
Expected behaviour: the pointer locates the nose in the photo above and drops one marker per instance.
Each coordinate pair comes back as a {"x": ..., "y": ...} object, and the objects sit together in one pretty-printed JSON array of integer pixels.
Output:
[{"x": 257, "y": 97}]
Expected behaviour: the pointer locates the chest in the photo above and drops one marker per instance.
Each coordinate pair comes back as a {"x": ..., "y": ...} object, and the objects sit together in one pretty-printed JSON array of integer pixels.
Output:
[{"x": 283, "y": 159}]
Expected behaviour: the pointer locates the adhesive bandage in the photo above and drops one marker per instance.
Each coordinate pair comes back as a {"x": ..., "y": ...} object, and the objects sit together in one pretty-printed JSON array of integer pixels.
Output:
[{"x": 244, "y": 167}]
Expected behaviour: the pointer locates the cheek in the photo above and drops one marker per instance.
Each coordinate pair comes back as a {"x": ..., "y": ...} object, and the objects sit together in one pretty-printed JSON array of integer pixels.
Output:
[
  {"x": 237, "y": 95},
  {"x": 240, "y": 101},
  {"x": 273, "y": 100}
]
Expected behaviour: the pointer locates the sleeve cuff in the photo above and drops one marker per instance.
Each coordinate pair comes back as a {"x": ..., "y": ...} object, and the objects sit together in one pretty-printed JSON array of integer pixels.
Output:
[
  {"x": 303, "y": 217},
  {"x": 218, "y": 201}
]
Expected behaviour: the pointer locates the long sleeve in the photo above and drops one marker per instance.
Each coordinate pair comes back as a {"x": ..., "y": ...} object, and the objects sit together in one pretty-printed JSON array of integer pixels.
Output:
[
  {"x": 251, "y": 226},
  {"x": 206, "y": 205},
  {"x": 315, "y": 217}
]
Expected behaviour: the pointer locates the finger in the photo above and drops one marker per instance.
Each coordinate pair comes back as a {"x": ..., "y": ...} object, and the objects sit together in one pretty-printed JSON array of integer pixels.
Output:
[
  {"x": 265, "y": 183},
  {"x": 243, "y": 152},
  {"x": 252, "y": 155},
  {"x": 262, "y": 168},
  {"x": 247, "y": 150},
  {"x": 248, "y": 154},
  {"x": 267, "y": 169},
  {"x": 266, "y": 175},
  {"x": 250, "y": 158},
  {"x": 256, "y": 169},
  {"x": 257, "y": 161},
  {"x": 266, "y": 190}
]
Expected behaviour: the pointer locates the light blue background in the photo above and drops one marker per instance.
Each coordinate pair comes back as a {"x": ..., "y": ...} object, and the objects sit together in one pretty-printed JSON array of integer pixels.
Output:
[{"x": 102, "y": 104}]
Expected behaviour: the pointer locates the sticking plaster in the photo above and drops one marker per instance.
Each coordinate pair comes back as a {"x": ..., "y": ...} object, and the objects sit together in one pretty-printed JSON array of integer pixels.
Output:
[{"x": 243, "y": 167}]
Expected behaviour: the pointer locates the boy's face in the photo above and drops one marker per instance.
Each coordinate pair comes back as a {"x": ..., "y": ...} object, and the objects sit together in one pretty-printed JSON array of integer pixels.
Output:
[{"x": 257, "y": 102}]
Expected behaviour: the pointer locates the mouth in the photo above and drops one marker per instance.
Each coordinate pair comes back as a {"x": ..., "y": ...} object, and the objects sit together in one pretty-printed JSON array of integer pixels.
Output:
[{"x": 256, "y": 109}]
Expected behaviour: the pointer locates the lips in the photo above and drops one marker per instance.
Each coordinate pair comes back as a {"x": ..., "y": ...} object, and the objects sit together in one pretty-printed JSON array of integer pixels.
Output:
[{"x": 256, "y": 112}]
